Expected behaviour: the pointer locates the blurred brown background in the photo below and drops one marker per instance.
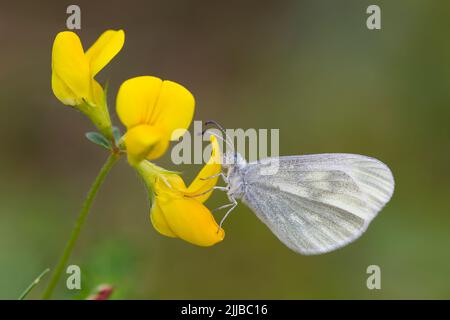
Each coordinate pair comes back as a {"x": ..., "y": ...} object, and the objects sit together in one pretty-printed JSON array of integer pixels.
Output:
[{"x": 310, "y": 68}]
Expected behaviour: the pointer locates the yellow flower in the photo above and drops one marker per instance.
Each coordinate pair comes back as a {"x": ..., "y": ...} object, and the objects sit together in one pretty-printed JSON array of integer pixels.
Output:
[
  {"x": 73, "y": 72},
  {"x": 152, "y": 110},
  {"x": 178, "y": 211}
]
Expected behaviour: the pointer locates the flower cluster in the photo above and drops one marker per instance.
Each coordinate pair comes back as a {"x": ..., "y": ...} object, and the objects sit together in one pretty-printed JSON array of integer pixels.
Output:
[{"x": 154, "y": 111}]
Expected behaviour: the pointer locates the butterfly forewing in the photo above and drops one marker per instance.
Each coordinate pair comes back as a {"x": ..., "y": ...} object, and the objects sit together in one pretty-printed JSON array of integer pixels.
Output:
[{"x": 317, "y": 203}]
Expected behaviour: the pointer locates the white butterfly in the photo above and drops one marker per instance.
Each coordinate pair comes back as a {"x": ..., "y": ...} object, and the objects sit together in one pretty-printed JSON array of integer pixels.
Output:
[{"x": 313, "y": 203}]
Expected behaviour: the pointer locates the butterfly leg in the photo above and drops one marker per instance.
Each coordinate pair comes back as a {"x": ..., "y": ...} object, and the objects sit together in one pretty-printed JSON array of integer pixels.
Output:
[
  {"x": 233, "y": 205},
  {"x": 221, "y": 174},
  {"x": 207, "y": 191},
  {"x": 222, "y": 207}
]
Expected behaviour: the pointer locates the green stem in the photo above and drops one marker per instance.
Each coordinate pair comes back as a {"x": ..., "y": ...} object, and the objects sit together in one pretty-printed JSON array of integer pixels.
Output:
[
  {"x": 112, "y": 159},
  {"x": 33, "y": 284}
]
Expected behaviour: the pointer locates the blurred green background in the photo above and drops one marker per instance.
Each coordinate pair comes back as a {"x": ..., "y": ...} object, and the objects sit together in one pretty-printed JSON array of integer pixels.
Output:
[{"x": 310, "y": 68}]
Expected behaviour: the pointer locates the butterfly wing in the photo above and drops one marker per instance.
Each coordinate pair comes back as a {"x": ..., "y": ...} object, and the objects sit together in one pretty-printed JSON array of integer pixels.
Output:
[{"x": 317, "y": 203}]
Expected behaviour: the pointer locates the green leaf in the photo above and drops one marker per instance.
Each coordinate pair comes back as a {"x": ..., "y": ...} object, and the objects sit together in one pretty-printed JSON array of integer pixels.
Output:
[
  {"x": 116, "y": 133},
  {"x": 99, "y": 139}
]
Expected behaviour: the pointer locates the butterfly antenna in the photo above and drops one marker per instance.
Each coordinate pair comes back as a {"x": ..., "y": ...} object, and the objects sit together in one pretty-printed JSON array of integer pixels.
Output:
[
  {"x": 218, "y": 126},
  {"x": 220, "y": 138}
]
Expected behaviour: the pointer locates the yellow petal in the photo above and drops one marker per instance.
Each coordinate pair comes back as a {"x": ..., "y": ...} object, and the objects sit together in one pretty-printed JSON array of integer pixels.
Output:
[
  {"x": 174, "y": 108},
  {"x": 70, "y": 69},
  {"x": 159, "y": 221},
  {"x": 191, "y": 221},
  {"x": 144, "y": 142},
  {"x": 63, "y": 92},
  {"x": 158, "y": 150},
  {"x": 136, "y": 100},
  {"x": 98, "y": 95},
  {"x": 150, "y": 101},
  {"x": 169, "y": 185},
  {"x": 203, "y": 182},
  {"x": 104, "y": 49}
]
